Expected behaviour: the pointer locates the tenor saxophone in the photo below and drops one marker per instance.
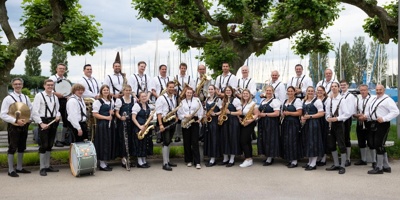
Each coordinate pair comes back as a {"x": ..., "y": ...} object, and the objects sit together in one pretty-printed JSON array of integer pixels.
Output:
[
  {"x": 141, "y": 134},
  {"x": 249, "y": 115},
  {"x": 201, "y": 84},
  {"x": 208, "y": 114},
  {"x": 171, "y": 115},
  {"x": 186, "y": 123},
  {"x": 223, "y": 117},
  {"x": 126, "y": 140}
]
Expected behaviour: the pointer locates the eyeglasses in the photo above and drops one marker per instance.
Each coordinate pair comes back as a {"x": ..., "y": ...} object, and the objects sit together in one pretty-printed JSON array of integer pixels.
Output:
[{"x": 17, "y": 83}]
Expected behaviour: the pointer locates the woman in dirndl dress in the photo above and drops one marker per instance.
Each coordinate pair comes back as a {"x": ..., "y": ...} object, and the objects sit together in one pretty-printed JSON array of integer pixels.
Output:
[
  {"x": 290, "y": 128},
  {"x": 123, "y": 107},
  {"x": 103, "y": 112},
  {"x": 313, "y": 146},
  {"x": 269, "y": 127},
  {"x": 321, "y": 95},
  {"x": 140, "y": 113}
]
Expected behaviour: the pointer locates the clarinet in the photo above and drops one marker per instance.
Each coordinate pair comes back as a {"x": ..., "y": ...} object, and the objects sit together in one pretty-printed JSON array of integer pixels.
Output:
[{"x": 127, "y": 162}]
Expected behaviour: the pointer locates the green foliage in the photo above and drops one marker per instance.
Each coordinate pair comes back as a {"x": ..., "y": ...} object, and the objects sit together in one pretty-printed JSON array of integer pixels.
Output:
[
  {"x": 31, "y": 82},
  {"x": 359, "y": 56},
  {"x": 26, "y": 91},
  {"x": 346, "y": 62},
  {"x": 58, "y": 55},
  {"x": 32, "y": 62},
  {"x": 317, "y": 65},
  {"x": 312, "y": 42}
]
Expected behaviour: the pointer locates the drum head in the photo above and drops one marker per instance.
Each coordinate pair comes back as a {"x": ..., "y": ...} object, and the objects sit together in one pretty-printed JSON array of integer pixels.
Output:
[
  {"x": 63, "y": 87},
  {"x": 83, "y": 158},
  {"x": 73, "y": 160}
]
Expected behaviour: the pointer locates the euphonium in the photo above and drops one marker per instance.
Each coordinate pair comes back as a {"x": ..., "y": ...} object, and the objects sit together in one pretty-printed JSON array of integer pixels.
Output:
[
  {"x": 171, "y": 115},
  {"x": 249, "y": 115},
  {"x": 91, "y": 120},
  {"x": 186, "y": 123},
  {"x": 208, "y": 114},
  {"x": 141, "y": 134},
  {"x": 223, "y": 117}
]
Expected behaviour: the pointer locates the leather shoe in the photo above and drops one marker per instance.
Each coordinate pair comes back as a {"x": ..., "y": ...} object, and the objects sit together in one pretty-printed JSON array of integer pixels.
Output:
[
  {"x": 360, "y": 162},
  {"x": 321, "y": 163},
  {"x": 223, "y": 163},
  {"x": 43, "y": 172},
  {"x": 309, "y": 168},
  {"x": 333, "y": 168},
  {"x": 172, "y": 164},
  {"x": 177, "y": 139},
  {"x": 23, "y": 171},
  {"x": 13, "y": 174},
  {"x": 142, "y": 166},
  {"x": 292, "y": 165},
  {"x": 267, "y": 163},
  {"x": 375, "y": 171},
  {"x": 107, "y": 169},
  {"x": 51, "y": 169},
  {"x": 210, "y": 164},
  {"x": 342, "y": 170},
  {"x": 158, "y": 140},
  {"x": 387, "y": 169},
  {"x": 108, "y": 166},
  {"x": 230, "y": 164},
  {"x": 305, "y": 166},
  {"x": 348, "y": 163},
  {"x": 58, "y": 144},
  {"x": 147, "y": 165},
  {"x": 166, "y": 167}
]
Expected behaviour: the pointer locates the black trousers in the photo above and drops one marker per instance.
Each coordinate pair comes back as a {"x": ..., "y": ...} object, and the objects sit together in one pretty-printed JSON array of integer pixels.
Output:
[
  {"x": 47, "y": 136},
  {"x": 191, "y": 143},
  {"x": 245, "y": 139},
  {"x": 17, "y": 138},
  {"x": 63, "y": 111},
  {"x": 347, "y": 129},
  {"x": 168, "y": 133},
  {"x": 76, "y": 137},
  {"x": 379, "y": 136},
  {"x": 337, "y": 135},
  {"x": 364, "y": 136}
]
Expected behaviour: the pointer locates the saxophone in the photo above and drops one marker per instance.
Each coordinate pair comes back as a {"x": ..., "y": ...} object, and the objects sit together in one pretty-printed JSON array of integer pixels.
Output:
[
  {"x": 187, "y": 122},
  {"x": 171, "y": 115},
  {"x": 126, "y": 140},
  {"x": 141, "y": 134},
  {"x": 200, "y": 86},
  {"x": 181, "y": 96},
  {"x": 223, "y": 117},
  {"x": 124, "y": 82},
  {"x": 208, "y": 114},
  {"x": 249, "y": 115}
]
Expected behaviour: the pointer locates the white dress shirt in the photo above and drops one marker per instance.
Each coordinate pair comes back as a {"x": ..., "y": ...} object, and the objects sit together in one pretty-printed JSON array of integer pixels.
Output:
[
  {"x": 248, "y": 83},
  {"x": 185, "y": 79},
  {"x": 75, "y": 107},
  {"x": 164, "y": 104},
  {"x": 8, "y": 100},
  {"x": 351, "y": 102},
  {"x": 327, "y": 85},
  {"x": 302, "y": 80},
  {"x": 91, "y": 87},
  {"x": 39, "y": 106},
  {"x": 117, "y": 80},
  {"x": 189, "y": 107},
  {"x": 387, "y": 109},
  {"x": 159, "y": 83},
  {"x": 344, "y": 113},
  {"x": 139, "y": 83},
  {"x": 223, "y": 81},
  {"x": 279, "y": 90}
]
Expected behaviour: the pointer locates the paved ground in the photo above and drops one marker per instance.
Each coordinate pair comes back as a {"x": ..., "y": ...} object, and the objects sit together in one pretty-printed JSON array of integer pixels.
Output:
[{"x": 218, "y": 182}]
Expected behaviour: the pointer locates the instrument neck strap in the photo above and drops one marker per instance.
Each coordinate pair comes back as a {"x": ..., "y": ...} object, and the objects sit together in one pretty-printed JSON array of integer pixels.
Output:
[{"x": 47, "y": 107}]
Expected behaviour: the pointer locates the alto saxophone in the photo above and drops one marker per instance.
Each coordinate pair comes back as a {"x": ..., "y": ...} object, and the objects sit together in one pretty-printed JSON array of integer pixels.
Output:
[
  {"x": 249, "y": 115},
  {"x": 181, "y": 96},
  {"x": 142, "y": 133},
  {"x": 208, "y": 114},
  {"x": 187, "y": 122},
  {"x": 171, "y": 115},
  {"x": 127, "y": 161},
  {"x": 223, "y": 117},
  {"x": 201, "y": 84}
]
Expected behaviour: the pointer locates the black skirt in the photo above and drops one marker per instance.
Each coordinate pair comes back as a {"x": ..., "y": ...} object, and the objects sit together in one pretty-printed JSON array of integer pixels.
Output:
[
  {"x": 291, "y": 139},
  {"x": 122, "y": 148},
  {"x": 268, "y": 142},
  {"x": 212, "y": 136},
  {"x": 103, "y": 141},
  {"x": 312, "y": 138},
  {"x": 144, "y": 147},
  {"x": 230, "y": 136}
]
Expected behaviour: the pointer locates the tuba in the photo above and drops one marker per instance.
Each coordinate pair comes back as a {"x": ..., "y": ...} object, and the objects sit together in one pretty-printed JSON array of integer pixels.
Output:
[
  {"x": 186, "y": 123},
  {"x": 141, "y": 134},
  {"x": 249, "y": 115},
  {"x": 223, "y": 116},
  {"x": 171, "y": 114},
  {"x": 91, "y": 120}
]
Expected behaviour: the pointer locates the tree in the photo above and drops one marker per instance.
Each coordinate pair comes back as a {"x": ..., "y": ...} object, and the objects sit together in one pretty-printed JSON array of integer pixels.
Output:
[
  {"x": 347, "y": 63},
  {"x": 46, "y": 21},
  {"x": 359, "y": 57},
  {"x": 59, "y": 55},
  {"x": 317, "y": 65},
  {"x": 231, "y": 31},
  {"x": 378, "y": 62},
  {"x": 32, "y": 62}
]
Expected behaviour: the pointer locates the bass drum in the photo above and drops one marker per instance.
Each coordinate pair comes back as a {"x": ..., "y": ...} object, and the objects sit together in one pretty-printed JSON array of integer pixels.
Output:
[{"x": 82, "y": 158}]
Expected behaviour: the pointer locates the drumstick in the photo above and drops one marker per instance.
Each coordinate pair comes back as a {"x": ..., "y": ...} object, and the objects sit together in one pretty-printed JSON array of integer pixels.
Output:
[{"x": 50, "y": 123}]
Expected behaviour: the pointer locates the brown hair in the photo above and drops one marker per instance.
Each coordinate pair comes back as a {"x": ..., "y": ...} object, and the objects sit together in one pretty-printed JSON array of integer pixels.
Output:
[
  {"x": 322, "y": 87},
  {"x": 47, "y": 80},
  {"x": 108, "y": 97},
  {"x": 249, "y": 100},
  {"x": 141, "y": 62},
  {"x": 77, "y": 87}
]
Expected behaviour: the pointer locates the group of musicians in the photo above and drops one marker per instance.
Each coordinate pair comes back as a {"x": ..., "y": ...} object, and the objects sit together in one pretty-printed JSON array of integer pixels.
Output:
[{"x": 293, "y": 122}]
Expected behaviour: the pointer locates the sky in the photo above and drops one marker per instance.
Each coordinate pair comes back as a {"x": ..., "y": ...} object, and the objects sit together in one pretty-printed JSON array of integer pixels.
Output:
[{"x": 137, "y": 40}]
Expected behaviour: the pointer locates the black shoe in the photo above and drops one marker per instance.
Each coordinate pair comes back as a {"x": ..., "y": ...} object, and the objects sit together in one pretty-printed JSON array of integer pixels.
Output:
[
  {"x": 177, "y": 139},
  {"x": 309, "y": 168},
  {"x": 51, "y": 169},
  {"x": 210, "y": 164},
  {"x": 360, "y": 162},
  {"x": 342, "y": 170},
  {"x": 387, "y": 169},
  {"x": 107, "y": 169},
  {"x": 321, "y": 163},
  {"x": 292, "y": 165},
  {"x": 108, "y": 166},
  {"x": 166, "y": 167},
  {"x": 23, "y": 171},
  {"x": 267, "y": 163},
  {"x": 289, "y": 163},
  {"x": 375, "y": 171},
  {"x": 348, "y": 163},
  {"x": 65, "y": 143},
  {"x": 13, "y": 174},
  {"x": 223, "y": 163},
  {"x": 147, "y": 165},
  {"x": 58, "y": 144},
  {"x": 159, "y": 140},
  {"x": 230, "y": 164},
  {"x": 43, "y": 172},
  {"x": 373, "y": 165},
  {"x": 305, "y": 166},
  {"x": 333, "y": 168},
  {"x": 172, "y": 164},
  {"x": 142, "y": 166}
]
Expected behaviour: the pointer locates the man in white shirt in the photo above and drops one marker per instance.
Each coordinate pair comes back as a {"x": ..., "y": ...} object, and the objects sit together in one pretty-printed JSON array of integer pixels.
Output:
[
  {"x": 17, "y": 128},
  {"x": 159, "y": 83},
  {"x": 115, "y": 81},
  {"x": 225, "y": 79},
  {"x": 351, "y": 100},
  {"x": 300, "y": 82},
  {"x": 202, "y": 92},
  {"x": 327, "y": 82},
  {"x": 279, "y": 87},
  {"x": 140, "y": 82},
  {"x": 246, "y": 83},
  {"x": 90, "y": 83},
  {"x": 381, "y": 111},
  {"x": 45, "y": 112}
]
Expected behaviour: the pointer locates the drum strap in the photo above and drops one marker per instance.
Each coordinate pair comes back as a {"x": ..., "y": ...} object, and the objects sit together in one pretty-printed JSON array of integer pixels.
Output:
[{"x": 47, "y": 107}]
